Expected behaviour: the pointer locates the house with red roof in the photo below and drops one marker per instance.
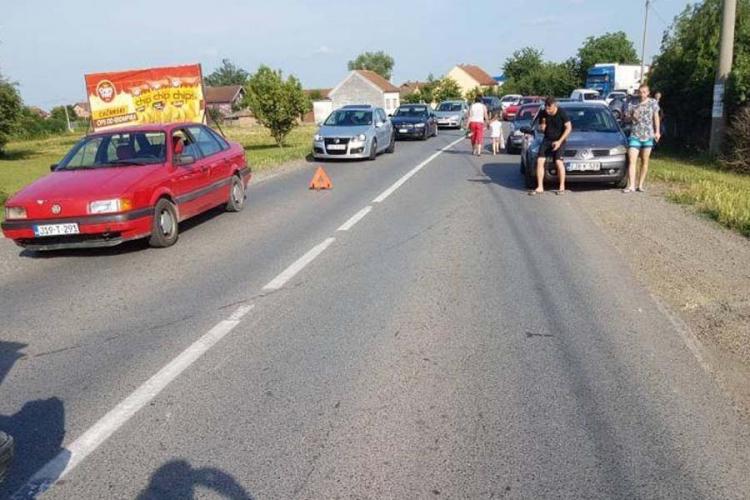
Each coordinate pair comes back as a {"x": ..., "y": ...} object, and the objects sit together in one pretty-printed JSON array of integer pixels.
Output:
[
  {"x": 225, "y": 99},
  {"x": 470, "y": 76}
]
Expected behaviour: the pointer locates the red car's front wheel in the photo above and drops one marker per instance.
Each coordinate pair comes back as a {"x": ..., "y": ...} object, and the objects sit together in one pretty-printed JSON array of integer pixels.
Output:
[{"x": 165, "y": 227}]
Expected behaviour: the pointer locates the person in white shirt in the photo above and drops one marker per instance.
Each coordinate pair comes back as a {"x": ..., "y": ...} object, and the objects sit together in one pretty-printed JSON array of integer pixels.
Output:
[
  {"x": 477, "y": 122},
  {"x": 496, "y": 133}
]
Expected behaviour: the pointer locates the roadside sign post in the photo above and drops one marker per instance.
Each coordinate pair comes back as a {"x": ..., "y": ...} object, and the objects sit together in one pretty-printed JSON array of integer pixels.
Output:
[{"x": 726, "y": 54}]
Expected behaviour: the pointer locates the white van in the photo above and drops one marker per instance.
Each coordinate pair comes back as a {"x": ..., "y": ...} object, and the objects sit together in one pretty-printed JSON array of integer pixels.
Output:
[{"x": 587, "y": 95}]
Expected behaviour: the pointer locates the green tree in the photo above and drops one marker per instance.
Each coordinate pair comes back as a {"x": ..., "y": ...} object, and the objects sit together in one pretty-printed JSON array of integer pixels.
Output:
[
  {"x": 276, "y": 103},
  {"x": 58, "y": 113},
  {"x": 412, "y": 98},
  {"x": 547, "y": 79},
  {"x": 473, "y": 93},
  {"x": 447, "y": 88},
  {"x": 10, "y": 111},
  {"x": 226, "y": 74},
  {"x": 685, "y": 70},
  {"x": 522, "y": 62},
  {"x": 608, "y": 48},
  {"x": 379, "y": 62}
]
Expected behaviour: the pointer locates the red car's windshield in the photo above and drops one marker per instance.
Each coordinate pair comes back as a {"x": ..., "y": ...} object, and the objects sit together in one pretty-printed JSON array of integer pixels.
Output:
[{"x": 116, "y": 149}]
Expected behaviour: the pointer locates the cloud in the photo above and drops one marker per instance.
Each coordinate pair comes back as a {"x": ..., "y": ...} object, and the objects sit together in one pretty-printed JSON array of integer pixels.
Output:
[
  {"x": 323, "y": 49},
  {"x": 542, "y": 21}
]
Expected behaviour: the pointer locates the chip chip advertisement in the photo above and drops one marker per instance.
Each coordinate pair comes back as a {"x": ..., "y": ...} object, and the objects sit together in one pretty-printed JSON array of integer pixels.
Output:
[{"x": 139, "y": 97}]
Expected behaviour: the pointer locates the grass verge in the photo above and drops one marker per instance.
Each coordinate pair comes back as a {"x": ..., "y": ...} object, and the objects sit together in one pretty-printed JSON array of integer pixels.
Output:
[
  {"x": 26, "y": 161},
  {"x": 723, "y": 196}
]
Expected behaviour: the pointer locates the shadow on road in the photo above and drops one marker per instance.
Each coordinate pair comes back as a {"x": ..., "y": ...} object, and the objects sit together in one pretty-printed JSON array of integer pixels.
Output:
[
  {"x": 128, "y": 246},
  {"x": 177, "y": 480},
  {"x": 38, "y": 429},
  {"x": 508, "y": 175}
]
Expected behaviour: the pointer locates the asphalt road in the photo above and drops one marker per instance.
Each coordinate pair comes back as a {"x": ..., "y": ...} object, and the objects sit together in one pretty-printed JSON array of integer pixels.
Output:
[{"x": 461, "y": 340}]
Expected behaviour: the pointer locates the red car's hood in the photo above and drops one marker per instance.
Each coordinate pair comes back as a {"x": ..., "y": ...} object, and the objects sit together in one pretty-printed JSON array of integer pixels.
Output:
[{"x": 95, "y": 183}]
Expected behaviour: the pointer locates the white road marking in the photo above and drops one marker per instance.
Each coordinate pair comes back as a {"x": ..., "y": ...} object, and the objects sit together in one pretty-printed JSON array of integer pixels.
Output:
[
  {"x": 73, "y": 454},
  {"x": 355, "y": 218},
  {"x": 280, "y": 280},
  {"x": 68, "y": 459},
  {"x": 385, "y": 194}
]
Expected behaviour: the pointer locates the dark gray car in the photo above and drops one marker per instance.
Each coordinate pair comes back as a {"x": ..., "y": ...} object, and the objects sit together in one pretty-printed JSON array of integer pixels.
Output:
[{"x": 596, "y": 150}]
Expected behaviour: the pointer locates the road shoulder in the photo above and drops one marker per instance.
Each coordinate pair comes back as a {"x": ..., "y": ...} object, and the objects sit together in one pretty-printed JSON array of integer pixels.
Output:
[{"x": 696, "y": 268}]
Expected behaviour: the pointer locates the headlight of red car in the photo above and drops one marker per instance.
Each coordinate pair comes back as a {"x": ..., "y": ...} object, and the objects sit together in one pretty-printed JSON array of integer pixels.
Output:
[
  {"x": 15, "y": 213},
  {"x": 110, "y": 206}
]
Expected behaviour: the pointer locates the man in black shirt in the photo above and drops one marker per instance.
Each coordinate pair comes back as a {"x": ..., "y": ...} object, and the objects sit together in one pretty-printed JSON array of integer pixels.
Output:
[{"x": 556, "y": 126}]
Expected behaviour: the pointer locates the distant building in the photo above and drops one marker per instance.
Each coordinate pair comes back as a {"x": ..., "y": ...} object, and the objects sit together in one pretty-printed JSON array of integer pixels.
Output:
[
  {"x": 321, "y": 105},
  {"x": 82, "y": 110},
  {"x": 365, "y": 87},
  {"x": 408, "y": 88},
  {"x": 224, "y": 99},
  {"x": 39, "y": 112},
  {"x": 469, "y": 77}
]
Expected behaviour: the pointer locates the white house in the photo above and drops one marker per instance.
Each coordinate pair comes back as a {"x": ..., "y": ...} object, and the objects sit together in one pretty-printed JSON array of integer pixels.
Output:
[{"x": 365, "y": 87}]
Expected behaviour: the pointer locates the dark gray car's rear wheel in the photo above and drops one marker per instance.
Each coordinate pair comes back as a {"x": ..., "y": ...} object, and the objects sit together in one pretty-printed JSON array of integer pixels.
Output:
[
  {"x": 392, "y": 145},
  {"x": 529, "y": 180}
]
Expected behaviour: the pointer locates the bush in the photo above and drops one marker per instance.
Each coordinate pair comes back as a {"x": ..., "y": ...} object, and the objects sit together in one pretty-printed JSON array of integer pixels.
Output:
[
  {"x": 10, "y": 109},
  {"x": 276, "y": 103},
  {"x": 738, "y": 154},
  {"x": 30, "y": 125},
  {"x": 685, "y": 70}
]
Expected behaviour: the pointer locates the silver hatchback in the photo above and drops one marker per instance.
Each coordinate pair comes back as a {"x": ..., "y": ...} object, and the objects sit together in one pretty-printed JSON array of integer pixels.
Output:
[{"x": 354, "y": 132}]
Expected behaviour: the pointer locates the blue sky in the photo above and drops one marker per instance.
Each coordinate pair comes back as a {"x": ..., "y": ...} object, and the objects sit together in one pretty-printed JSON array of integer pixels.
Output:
[{"x": 46, "y": 46}]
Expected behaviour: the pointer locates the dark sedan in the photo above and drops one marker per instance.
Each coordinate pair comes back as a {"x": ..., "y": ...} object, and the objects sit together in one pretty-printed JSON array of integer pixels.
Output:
[
  {"x": 596, "y": 150},
  {"x": 493, "y": 103},
  {"x": 416, "y": 121},
  {"x": 524, "y": 118}
]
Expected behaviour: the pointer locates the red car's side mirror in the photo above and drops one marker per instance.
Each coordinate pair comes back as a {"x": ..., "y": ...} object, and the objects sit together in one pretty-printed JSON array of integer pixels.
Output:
[{"x": 184, "y": 160}]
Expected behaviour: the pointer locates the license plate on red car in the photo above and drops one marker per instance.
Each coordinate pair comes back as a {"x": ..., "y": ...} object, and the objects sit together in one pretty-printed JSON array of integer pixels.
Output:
[{"x": 56, "y": 229}]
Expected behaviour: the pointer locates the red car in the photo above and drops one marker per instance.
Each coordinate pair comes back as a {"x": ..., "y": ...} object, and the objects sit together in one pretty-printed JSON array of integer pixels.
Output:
[
  {"x": 510, "y": 112},
  {"x": 127, "y": 184}
]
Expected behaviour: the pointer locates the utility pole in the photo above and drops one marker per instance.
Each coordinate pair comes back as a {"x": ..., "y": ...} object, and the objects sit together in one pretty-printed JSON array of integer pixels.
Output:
[
  {"x": 726, "y": 54},
  {"x": 67, "y": 118},
  {"x": 643, "y": 45}
]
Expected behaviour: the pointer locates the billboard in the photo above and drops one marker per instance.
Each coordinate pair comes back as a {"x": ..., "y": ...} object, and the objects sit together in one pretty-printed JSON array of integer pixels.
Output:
[{"x": 140, "y": 97}]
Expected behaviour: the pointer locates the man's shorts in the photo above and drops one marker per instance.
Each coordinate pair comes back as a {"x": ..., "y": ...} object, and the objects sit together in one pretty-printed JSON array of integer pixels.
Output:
[
  {"x": 546, "y": 151},
  {"x": 636, "y": 143}
]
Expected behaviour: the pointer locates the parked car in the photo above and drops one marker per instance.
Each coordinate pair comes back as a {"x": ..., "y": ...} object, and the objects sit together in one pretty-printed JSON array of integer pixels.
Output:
[
  {"x": 354, "y": 132},
  {"x": 130, "y": 183},
  {"x": 509, "y": 99},
  {"x": 510, "y": 112},
  {"x": 617, "y": 94},
  {"x": 587, "y": 95},
  {"x": 493, "y": 104},
  {"x": 452, "y": 114},
  {"x": 620, "y": 107},
  {"x": 523, "y": 119},
  {"x": 594, "y": 152},
  {"x": 416, "y": 121}
]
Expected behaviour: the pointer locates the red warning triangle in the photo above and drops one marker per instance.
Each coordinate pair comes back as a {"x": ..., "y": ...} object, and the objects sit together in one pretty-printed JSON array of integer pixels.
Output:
[{"x": 321, "y": 180}]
